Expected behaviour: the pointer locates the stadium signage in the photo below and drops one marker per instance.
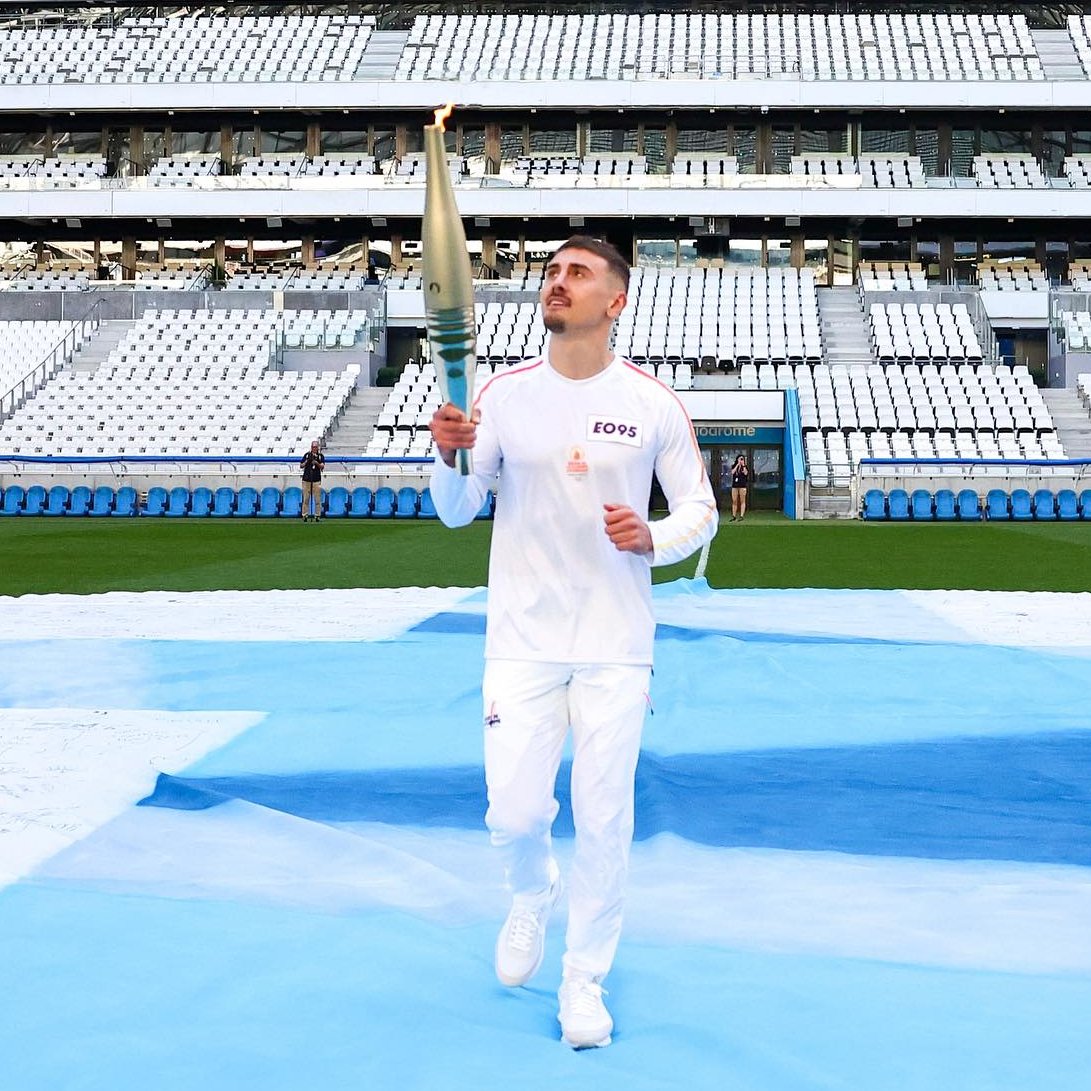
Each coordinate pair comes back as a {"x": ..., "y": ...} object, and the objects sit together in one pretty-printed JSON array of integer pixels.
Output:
[{"x": 731, "y": 433}]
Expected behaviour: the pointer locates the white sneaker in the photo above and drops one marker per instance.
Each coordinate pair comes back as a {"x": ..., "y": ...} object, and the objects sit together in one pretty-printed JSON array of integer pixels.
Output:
[
  {"x": 585, "y": 1022},
  {"x": 520, "y": 947}
]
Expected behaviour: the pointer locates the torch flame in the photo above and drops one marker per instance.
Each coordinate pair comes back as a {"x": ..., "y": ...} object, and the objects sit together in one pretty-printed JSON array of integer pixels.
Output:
[{"x": 443, "y": 114}]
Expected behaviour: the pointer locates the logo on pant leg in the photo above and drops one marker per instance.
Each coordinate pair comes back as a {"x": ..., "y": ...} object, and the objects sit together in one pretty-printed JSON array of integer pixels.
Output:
[{"x": 493, "y": 717}]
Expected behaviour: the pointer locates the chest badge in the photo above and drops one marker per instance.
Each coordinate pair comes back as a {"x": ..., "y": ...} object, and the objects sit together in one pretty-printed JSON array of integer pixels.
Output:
[
  {"x": 615, "y": 430},
  {"x": 577, "y": 463}
]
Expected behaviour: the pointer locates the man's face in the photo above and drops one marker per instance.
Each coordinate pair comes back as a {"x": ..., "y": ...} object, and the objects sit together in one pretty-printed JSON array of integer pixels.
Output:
[
  {"x": 314, "y": 448},
  {"x": 580, "y": 292}
]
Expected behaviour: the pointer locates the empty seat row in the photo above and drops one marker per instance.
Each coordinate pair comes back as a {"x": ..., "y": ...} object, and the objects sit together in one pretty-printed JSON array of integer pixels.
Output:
[
  {"x": 223, "y": 502},
  {"x": 740, "y": 45},
  {"x": 968, "y": 506}
]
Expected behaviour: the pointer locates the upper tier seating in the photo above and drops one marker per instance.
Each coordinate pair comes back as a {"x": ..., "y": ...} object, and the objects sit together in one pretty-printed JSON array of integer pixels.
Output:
[
  {"x": 187, "y": 49},
  {"x": 183, "y": 169},
  {"x": 729, "y": 46},
  {"x": 1079, "y": 273},
  {"x": 724, "y": 316},
  {"x": 1013, "y": 276},
  {"x": 1015, "y": 170},
  {"x": 509, "y": 331},
  {"x": 1079, "y": 27},
  {"x": 1077, "y": 169},
  {"x": 704, "y": 165},
  {"x": 892, "y": 276},
  {"x": 269, "y": 166},
  {"x": 1077, "y": 327},
  {"x": 339, "y": 163},
  {"x": 56, "y": 170},
  {"x": 912, "y": 332},
  {"x": 56, "y": 279},
  {"x": 415, "y": 165}
]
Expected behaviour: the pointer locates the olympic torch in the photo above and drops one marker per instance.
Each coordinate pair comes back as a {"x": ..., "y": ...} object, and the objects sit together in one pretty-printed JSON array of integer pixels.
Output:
[{"x": 448, "y": 283}]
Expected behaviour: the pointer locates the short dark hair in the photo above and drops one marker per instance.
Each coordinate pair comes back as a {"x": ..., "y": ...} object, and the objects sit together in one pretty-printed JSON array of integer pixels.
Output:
[{"x": 605, "y": 250}]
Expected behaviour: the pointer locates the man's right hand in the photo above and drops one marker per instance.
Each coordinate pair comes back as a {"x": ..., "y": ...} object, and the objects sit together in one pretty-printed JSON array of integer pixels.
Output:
[{"x": 453, "y": 431}]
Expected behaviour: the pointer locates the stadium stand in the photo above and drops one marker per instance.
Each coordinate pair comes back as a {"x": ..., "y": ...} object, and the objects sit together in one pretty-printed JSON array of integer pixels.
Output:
[{"x": 748, "y": 186}]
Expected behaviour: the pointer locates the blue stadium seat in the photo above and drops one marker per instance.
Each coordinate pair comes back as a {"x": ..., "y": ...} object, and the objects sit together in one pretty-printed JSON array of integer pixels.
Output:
[
  {"x": 874, "y": 504},
  {"x": 996, "y": 505},
  {"x": 1021, "y": 505},
  {"x": 247, "y": 504},
  {"x": 1085, "y": 504},
  {"x": 969, "y": 506},
  {"x": 201, "y": 505},
  {"x": 293, "y": 503},
  {"x": 407, "y": 503},
  {"x": 178, "y": 503},
  {"x": 898, "y": 504},
  {"x": 102, "y": 502},
  {"x": 223, "y": 504},
  {"x": 945, "y": 505},
  {"x": 1045, "y": 505},
  {"x": 922, "y": 505},
  {"x": 427, "y": 505},
  {"x": 80, "y": 502},
  {"x": 337, "y": 503},
  {"x": 14, "y": 495},
  {"x": 488, "y": 506},
  {"x": 57, "y": 502},
  {"x": 1067, "y": 506},
  {"x": 360, "y": 507},
  {"x": 269, "y": 504},
  {"x": 35, "y": 501},
  {"x": 156, "y": 503},
  {"x": 383, "y": 504},
  {"x": 126, "y": 502}
]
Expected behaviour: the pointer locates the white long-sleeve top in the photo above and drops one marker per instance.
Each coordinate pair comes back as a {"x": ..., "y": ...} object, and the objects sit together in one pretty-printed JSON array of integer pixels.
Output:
[{"x": 559, "y": 590}]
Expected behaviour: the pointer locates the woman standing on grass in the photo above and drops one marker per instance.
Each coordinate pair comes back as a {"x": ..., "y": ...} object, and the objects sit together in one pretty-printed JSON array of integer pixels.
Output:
[{"x": 740, "y": 482}]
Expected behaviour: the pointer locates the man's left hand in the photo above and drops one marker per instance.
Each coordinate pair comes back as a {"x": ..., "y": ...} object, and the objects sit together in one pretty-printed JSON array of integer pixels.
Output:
[{"x": 628, "y": 532}]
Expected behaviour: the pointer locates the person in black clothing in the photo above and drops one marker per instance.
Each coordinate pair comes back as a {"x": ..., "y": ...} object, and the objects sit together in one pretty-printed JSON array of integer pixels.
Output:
[
  {"x": 740, "y": 482},
  {"x": 312, "y": 464}
]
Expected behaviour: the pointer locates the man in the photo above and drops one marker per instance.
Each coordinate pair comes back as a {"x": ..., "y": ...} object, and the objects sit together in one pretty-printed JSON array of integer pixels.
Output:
[
  {"x": 312, "y": 464},
  {"x": 575, "y": 437}
]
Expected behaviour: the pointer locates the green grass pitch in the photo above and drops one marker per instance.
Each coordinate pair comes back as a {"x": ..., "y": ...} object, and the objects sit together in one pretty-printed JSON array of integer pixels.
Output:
[{"x": 39, "y": 556}]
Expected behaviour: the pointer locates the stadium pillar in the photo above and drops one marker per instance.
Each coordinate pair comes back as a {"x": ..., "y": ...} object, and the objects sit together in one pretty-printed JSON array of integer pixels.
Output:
[
  {"x": 492, "y": 146},
  {"x": 219, "y": 256},
  {"x": 308, "y": 250},
  {"x": 797, "y": 250},
  {"x": 488, "y": 251},
  {"x": 946, "y": 256},
  {"x": 128, "y": 258},
  {"x": 137, "y": 154}
]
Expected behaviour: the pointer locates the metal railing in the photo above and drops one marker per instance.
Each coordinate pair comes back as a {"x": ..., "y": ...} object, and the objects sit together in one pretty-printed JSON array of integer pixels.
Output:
[{"x": 46, "y": 368}]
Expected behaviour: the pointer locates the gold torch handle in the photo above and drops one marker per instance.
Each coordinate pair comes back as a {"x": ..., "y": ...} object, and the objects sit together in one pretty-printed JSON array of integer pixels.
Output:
[{"x": 448, "y": 285}]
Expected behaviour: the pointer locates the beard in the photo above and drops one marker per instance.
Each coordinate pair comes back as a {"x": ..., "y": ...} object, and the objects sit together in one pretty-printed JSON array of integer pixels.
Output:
[{"x": 554, "y": 323}]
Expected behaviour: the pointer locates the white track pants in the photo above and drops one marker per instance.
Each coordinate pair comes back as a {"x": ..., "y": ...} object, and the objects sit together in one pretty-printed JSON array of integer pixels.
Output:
[{"x": 529, "y": 708}]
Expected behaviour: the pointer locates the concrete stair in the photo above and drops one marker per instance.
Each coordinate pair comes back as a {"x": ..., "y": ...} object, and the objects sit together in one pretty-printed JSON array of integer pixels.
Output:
[
  {"x": 101, "y": 343},
  {"x": 356, "y": 424},
  {"x": 1072, "y": 419},
  {"x": 1058, "y": 55},
  {"x": 379, "y": 60},
  {"x": 845, "y": 332}
]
